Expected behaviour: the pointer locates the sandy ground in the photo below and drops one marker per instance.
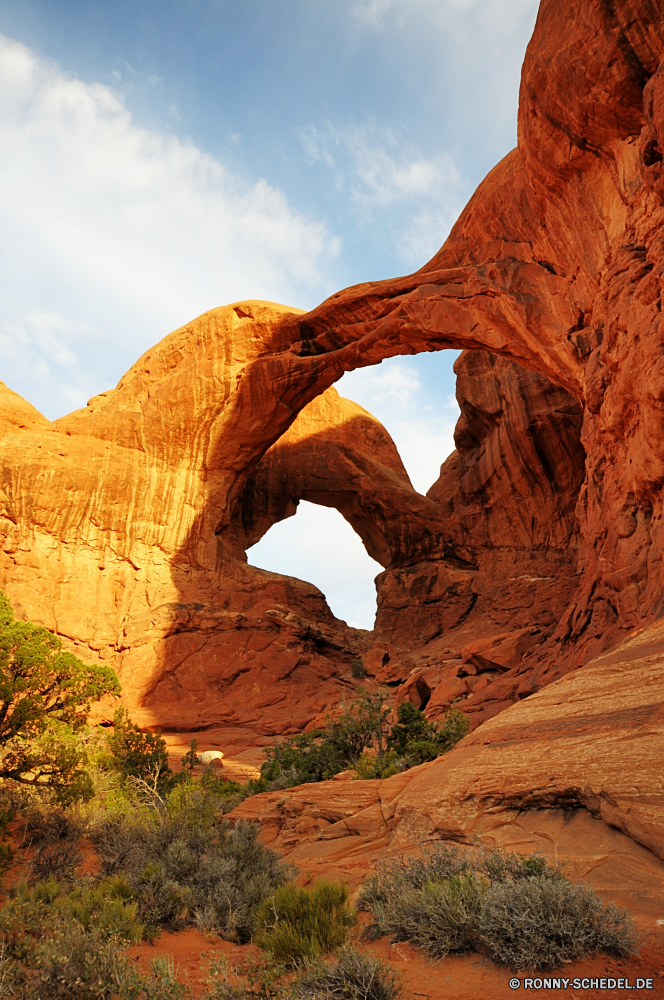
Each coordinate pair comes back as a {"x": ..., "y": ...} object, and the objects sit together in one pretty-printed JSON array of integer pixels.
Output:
[{"x": 465, "y": 977}]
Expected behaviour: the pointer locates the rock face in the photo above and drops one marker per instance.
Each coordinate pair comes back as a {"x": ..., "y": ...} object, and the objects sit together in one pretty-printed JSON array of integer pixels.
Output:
[
  {"x": 338, "y": 455},
  {"x": 124, "y": 526},
  {"x": 114, "y": 535},
  {"x": 573, "y": 771},
  {"x": 557, "y": 263}
]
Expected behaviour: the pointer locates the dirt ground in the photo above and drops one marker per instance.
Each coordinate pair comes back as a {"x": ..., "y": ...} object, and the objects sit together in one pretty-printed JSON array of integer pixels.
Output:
[{"x": 465, "y": 977}]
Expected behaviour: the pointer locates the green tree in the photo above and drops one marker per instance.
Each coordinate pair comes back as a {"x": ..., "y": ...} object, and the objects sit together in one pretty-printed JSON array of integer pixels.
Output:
[
  {"x": 361, "y": 738},
  {"x": 415, "y": 739},
  {"x": 45, "y": 696},
  {"x": 137, "y": 754},
  {"x": 322, "y": 753}
]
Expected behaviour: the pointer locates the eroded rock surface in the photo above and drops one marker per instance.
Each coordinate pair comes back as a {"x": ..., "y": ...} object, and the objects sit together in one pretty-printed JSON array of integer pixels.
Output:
[
  {"x": 125, "y": 525},
  {"x": 574, "y": 771},
  {"x": 113, "y": 534}
]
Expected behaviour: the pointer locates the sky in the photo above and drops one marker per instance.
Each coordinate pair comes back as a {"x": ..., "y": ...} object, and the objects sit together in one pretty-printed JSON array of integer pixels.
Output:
[{"x": 162, "y": 157}]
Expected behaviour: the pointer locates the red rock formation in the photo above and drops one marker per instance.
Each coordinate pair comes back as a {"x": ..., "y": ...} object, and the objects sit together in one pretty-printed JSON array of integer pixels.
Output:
[
  {"x": 113, "y": 535},
  {"x": 574, "y": 771},
  {"x": 141, "y": 503},
  {"x": 338, "y": 455},
  {"x": 557, "y": 263}
]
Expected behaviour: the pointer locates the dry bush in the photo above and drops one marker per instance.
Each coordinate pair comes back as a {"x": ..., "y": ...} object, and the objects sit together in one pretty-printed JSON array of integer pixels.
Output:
[
  {"x": 297, "y": 924},
  {"x": 520, "y": 909},
  {"x": 188, "y": 869},
  {"x": 55, "y": 834},
  {"x": 541, "y": 924},
  {"x": 441, "y": 916},
  {"x": 352, "y": 975}
]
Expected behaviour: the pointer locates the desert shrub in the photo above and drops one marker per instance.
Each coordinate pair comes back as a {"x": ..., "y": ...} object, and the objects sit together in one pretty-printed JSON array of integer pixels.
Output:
[
  {"x": 537, "y": 923},
  {"x": 414, "y": 740},
  {"x": 108, "y": 907},
  {"x": 54, "y": 955},
  {"x": 60, "y": 944},
  {"x": 6, "y": 852},
  {"x": 55, "y": 834},
  {"x": 360, "y": 739},
  {"x": 322, "y": 753},
  {"x": 394, "y": 876},
  {"x": 162, "y": 983},
  {"x": 352, "y": 975},
  {"x": 296, "y": 924},
  {"x": 188, "y": 869},
  {"x": 441, "y": 917},
  {"x": 357, "y": 670},
  {"x": 262, "y": 979},
  {"x": 135, "y": 753},
  {"x": 45, "y": 695},
  {"x": 521, "y": 909}
]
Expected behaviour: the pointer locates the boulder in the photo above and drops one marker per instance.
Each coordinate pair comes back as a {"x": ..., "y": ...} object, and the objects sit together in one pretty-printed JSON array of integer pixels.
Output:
[
  {"x": 415, "y": 690},
  {"x": 504, "y": 651}
]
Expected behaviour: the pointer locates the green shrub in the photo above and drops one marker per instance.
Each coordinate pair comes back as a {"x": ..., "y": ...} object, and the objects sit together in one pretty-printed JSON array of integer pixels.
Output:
[
  {"x": 49, "y": 955},
  {"x": 135, "y": 753},
  {"x": 360, "y": 739},
  {"x": 296, "y": 924},
  {"x": 322, "y": 753},
  {"x": 162, "y": 983},
  {"x": 537, "y": 923},
  {"x": 521, "y": 909},
  {"x": 109, "y": 908},
  {"x": 357, "y": 670},
  {"x": 415, "y": 740},
  {"x": 252, "y": 980},
  {"x": 45, "y": 696},
  {"x": 188, "y": 869},
  {"x": 54, "y": 955},
  {"x": 352, "y": 975}
]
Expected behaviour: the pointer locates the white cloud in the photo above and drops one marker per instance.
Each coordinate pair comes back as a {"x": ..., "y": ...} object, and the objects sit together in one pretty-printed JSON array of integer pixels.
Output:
[
  {"x": 424, "y": 444},
  {"x": 43, "y": 344},
  {"x": 378, "y": 171},
  {"x": 394, "y": 384},
  {"x": 102, "y": 220},
  {"x": 373, "y": 12},
  {"x": 456, "y": 16}
]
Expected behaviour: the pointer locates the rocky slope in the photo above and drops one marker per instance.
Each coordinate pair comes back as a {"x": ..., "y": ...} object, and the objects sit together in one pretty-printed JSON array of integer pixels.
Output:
[{"x": 574, "y": 770}]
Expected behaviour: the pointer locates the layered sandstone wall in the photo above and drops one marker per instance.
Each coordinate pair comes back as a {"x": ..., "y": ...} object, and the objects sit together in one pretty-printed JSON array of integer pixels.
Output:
[{"x": 124, "y": 526}]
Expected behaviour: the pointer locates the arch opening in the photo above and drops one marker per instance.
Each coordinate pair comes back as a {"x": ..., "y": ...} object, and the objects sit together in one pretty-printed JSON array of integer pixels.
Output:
[
  {"x": 319, "y": 546},
  {"x": 344, "y": 467}
]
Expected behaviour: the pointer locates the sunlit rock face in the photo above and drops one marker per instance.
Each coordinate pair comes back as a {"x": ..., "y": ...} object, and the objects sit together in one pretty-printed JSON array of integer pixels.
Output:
[
  {"x": 556, "y": 263},
  {"x": 125, "y": 525},
  {"x": 117, "y": 534}
]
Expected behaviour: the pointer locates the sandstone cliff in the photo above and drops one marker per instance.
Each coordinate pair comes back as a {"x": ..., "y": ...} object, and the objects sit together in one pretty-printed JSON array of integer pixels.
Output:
[{"x": 124, "y": 526}]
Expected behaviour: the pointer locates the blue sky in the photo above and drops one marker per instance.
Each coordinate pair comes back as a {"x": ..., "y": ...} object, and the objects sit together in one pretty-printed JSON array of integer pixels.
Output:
[{"x": 161, "y": 158}]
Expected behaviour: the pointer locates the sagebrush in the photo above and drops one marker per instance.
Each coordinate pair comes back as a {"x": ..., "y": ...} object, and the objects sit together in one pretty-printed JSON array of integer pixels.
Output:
[
  {"x": 520, "y": 909},
  {"x": 188, "y": 868}
]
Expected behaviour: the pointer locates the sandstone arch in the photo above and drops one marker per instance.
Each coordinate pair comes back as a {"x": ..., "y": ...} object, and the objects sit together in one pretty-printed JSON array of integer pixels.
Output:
[{"x": 555, "y": 264}]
